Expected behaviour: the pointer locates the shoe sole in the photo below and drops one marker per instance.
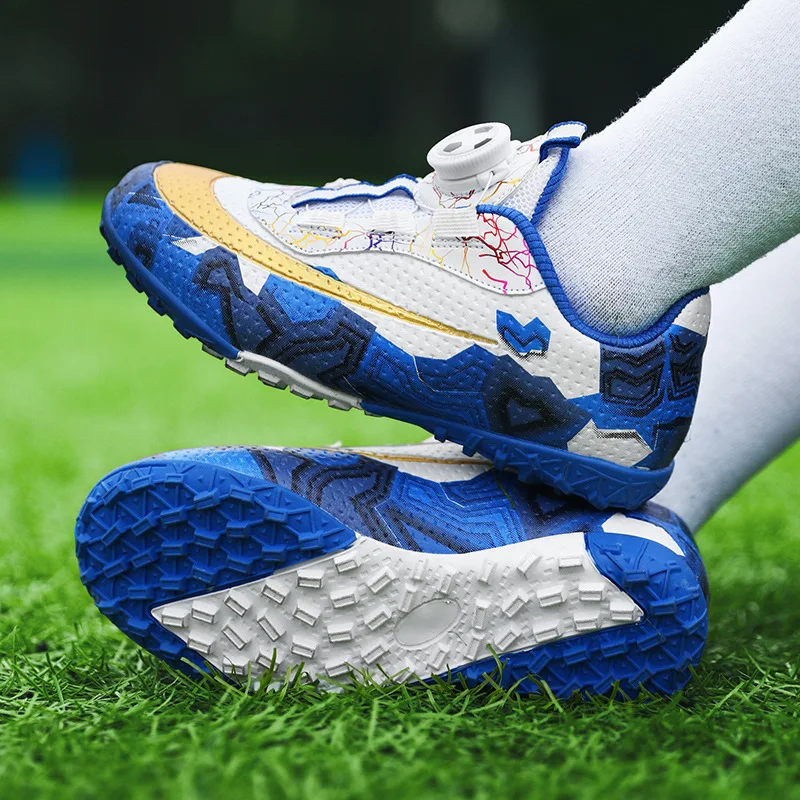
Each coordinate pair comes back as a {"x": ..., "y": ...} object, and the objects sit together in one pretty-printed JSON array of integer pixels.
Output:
[
  {"x": 601, "y": 483},
  {"x": 217, "y": 571}
]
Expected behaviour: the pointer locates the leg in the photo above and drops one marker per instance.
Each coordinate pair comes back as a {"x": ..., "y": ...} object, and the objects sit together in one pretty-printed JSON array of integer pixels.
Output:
[
  {"x": 699, "y": 179},
  {"x": 747, "y": 410}
]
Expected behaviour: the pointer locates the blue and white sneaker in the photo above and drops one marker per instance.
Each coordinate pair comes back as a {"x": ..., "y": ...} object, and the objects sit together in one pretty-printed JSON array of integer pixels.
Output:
[
  {"x": 402, "y": 563},
  {"x": 428, "y": 300}
]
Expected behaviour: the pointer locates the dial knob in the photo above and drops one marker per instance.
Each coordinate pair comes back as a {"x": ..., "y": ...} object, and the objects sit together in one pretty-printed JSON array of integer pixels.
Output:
[{"x": 465, "y": 159}]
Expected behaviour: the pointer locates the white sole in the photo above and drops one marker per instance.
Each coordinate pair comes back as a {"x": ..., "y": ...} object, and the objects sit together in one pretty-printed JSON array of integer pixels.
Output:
[
  {"x": 400, "y": 614},
  {"x": 273, "y": 373}
]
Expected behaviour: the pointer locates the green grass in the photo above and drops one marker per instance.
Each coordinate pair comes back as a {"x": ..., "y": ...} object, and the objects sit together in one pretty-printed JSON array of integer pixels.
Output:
[{"x": 92, "y": 378}]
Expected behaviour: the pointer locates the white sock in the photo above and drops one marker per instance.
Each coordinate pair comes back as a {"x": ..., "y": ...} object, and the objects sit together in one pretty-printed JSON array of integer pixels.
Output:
[
  {"x": 697, "y": 181},
  {"x": 748, "y": 407}
]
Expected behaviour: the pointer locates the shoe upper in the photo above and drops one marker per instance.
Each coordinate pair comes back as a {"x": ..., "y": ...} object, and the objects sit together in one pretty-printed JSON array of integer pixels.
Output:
[
  {"x": 430, "y": 295},
  {"x": 430, "y": 497}
]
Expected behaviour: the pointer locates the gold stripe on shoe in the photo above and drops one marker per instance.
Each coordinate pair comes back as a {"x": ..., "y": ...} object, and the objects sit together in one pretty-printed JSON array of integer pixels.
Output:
[{"x": 189, "y": 193}]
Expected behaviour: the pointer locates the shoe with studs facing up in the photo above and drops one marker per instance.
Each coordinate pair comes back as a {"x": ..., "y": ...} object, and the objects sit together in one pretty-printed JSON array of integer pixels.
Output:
[{"x": 403, "y": 563}]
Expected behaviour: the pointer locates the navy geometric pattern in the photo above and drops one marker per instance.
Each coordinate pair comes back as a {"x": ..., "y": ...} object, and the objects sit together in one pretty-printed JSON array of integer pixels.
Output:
[
  {"x": 650, "y": 389},
  {"x": 378, "y": 500}
]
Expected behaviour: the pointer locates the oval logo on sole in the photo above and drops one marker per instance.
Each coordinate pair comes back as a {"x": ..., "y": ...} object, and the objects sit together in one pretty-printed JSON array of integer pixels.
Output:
[{"x": 427, "y": 622}]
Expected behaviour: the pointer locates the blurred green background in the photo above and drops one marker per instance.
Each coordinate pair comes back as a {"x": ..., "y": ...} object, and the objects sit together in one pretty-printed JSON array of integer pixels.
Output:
[
  {"x": 305, "y": 90},
  {"x": 92, "y": 378}
]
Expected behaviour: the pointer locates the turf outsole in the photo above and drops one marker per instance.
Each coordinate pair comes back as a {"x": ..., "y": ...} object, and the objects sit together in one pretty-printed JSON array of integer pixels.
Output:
[
  {"x": 602, "y": 483},
  {"x": 152, "y": 533},
  {"x": 208, "y": 567}
]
